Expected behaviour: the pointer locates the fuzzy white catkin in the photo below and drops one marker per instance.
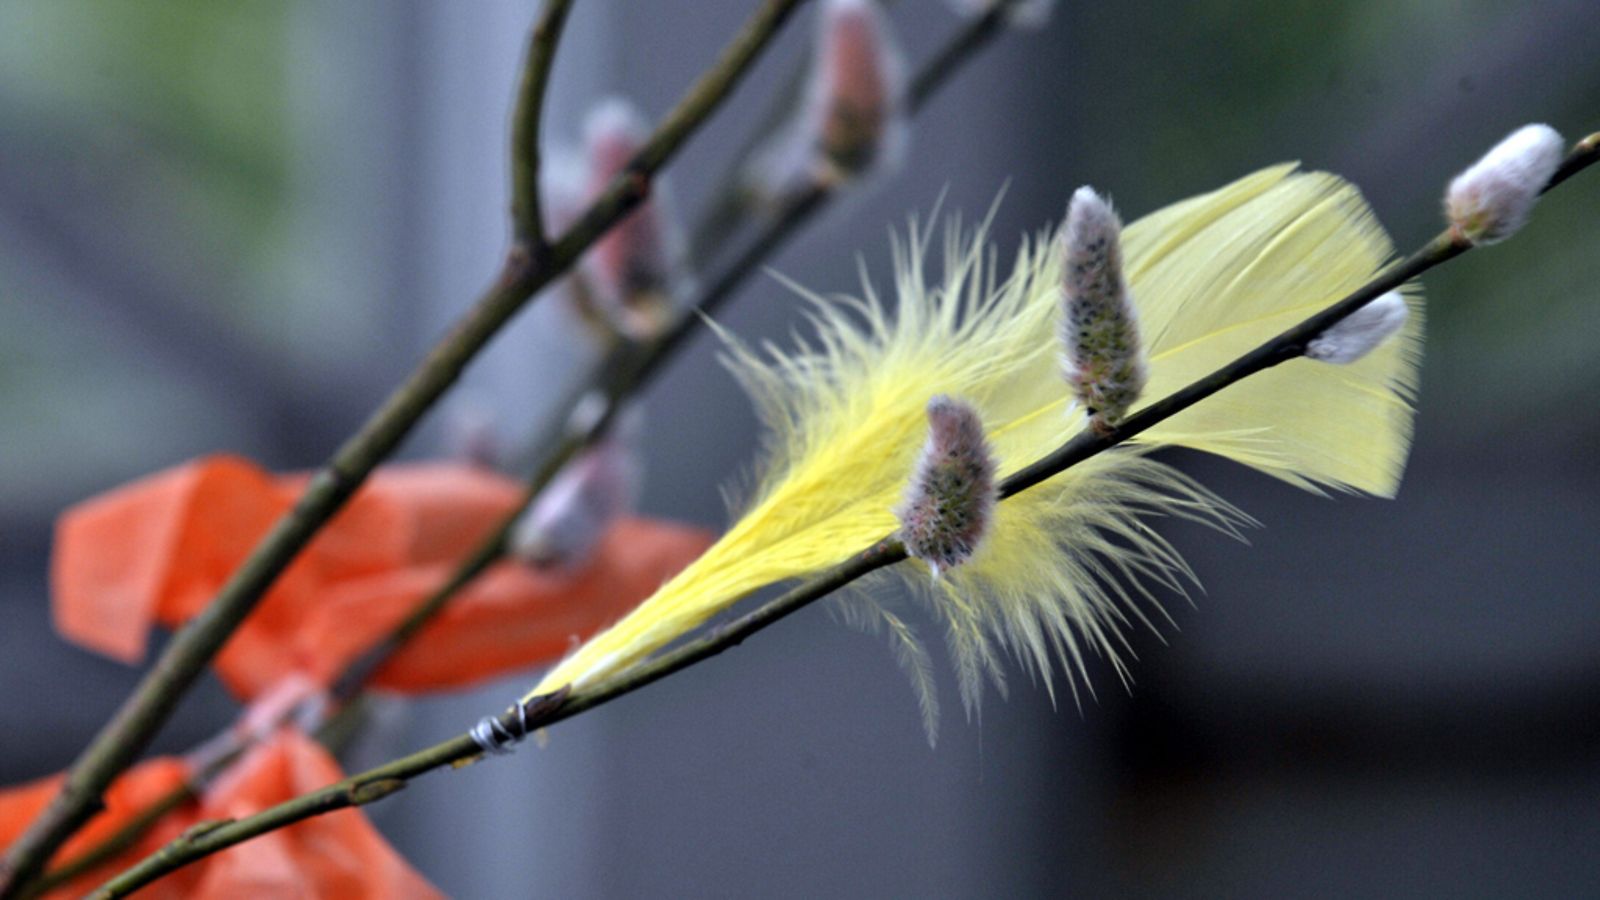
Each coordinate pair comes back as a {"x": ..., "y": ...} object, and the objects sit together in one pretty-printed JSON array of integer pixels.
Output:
[
  {"x": 1361, "y": 332},
  {"x": 949, "y": 502},
  {"x": 1102, "y": 357},
  {"x": 1490, "y": 201}
]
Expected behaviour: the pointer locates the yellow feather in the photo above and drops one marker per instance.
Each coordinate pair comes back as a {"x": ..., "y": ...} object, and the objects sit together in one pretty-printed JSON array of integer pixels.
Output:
[
  {"x": 1218, "y": 274},
  {"x": 1064, "y": 566}
]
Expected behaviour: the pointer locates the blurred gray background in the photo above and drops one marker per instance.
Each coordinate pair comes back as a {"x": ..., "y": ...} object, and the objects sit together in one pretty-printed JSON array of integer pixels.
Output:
[{"x": 234, "y": 226}]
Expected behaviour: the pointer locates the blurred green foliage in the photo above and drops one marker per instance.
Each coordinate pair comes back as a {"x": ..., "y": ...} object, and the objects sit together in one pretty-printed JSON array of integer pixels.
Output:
[
  {"x": 200, "y": 86},
  {"x": 145, "y": 149}
]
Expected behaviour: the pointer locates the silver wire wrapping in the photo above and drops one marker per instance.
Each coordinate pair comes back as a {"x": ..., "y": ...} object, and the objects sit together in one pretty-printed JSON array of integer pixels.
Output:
[{"x": 494, "y": 737}]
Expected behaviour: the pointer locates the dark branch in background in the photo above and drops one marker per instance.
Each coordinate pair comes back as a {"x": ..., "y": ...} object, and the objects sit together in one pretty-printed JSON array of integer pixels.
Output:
[
  {"x": 728, "y": 209},
  {"x": 122, "y": 739},
  {"x": 545, "y": 710},
  {"x": 942, "y": 66},
  {"x": 113, "y": 846}
]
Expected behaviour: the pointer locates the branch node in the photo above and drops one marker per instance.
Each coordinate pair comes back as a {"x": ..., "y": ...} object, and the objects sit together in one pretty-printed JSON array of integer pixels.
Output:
[
  {"x": 363, "y": 792},
  {"x": 640, "y": 182},
  {"x": 199, "y": 830}
]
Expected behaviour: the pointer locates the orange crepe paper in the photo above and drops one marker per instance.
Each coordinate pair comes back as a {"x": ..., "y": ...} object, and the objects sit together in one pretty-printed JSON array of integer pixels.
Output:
[
  {"x": 335, "y": 856},
  {"x": 128, "y": 796},
  {"x": 157, "y": 550},
  {"x": 510, "y": 618}
]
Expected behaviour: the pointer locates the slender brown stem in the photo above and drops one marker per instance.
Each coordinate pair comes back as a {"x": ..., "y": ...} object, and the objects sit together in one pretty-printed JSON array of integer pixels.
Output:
[
  {"x": 728, "y": 208},
  {"x": 387, "y": 779},
  {"x": 334, "y": 733},
  {"x": 545, "y": 710},
  {"x": 1583, "y": 154},
  {"x": 526, "y": 270},
  {"x": 954, "y": 55},
  {"x": 527, "y": 216}
]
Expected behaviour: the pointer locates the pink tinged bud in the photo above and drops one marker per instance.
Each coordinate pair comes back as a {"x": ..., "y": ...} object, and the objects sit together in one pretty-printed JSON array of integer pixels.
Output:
[
  {"x": 949, "y": 503},
  {"x": 1101, "y": 354},
  {"x": 1021, "y": 13},
  {"x": 571, "y": 516},
  {"x": 852, "y": 119},
  {"x": 1361, "y": 332},
  {"x": 631, "y": 270},
  {"x": 856, "y": 93},
  {"x": 1491, "y": 201}
]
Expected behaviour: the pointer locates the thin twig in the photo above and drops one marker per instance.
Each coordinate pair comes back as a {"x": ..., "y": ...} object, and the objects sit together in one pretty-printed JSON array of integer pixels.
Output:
[
  {"x": 527, "y": 215},
  {"x": 727, "y": 209},
  {"x": 546, "y": 710},
  {"x": 122, "y": 739},
  {"x": 387, "y": 779},
  {"x": 954, "y": 54},
  {"x": 333, "y": 733}
]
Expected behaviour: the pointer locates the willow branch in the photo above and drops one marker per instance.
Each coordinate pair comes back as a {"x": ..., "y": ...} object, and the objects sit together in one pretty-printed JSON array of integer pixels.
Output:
[
  {"x": 728, "y": 209},
  {"x": 346, "y": 694},
  {"x": 527, "y": 215},
  {"x": 548, "y": 709},
  {"x": 955, "y": 54},
  {"x": 524, "y": 273},
  {"x": 375, "y": 784}
]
